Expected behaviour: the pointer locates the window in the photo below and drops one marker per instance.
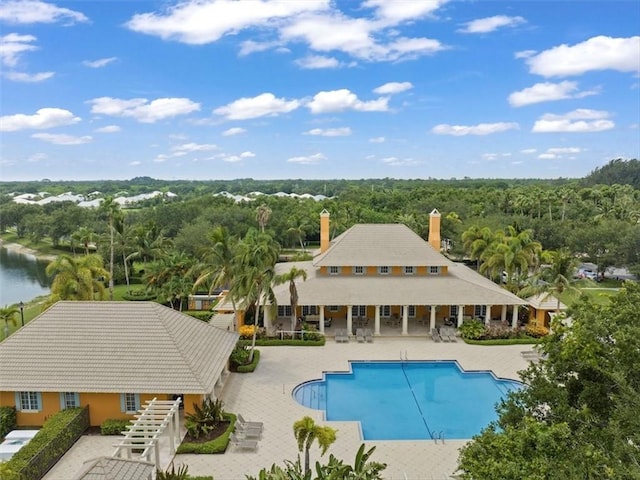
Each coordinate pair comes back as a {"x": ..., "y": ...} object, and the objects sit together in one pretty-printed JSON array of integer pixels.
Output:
[
  {"x": 359, "y": 311},
  {"x": 385, "y": 311},
  {"x": 408, "y": 271},
  {"x": 434, "y": 270},
  {"x": 334, "y": 270},
  {"x": 69, "y": 400},
  {"x": 284, "y": 310},
  {"x": 384, "y": 270},
  {"x": 334, "y": 308},
  {"x": 453, "y": 311},
  {"x": 358, "y": 270},
  {"x": 309, "y": 310},
  {"x": 479, "y": 311},
  {"x": 28, "y": 401},
  {"x": 129, "y": 402},
  {"x": 412, "y": 311}
]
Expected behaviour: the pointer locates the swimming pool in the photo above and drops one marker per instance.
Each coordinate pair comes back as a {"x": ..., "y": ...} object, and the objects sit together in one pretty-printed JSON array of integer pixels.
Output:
[{"x": 408, "y": 400}]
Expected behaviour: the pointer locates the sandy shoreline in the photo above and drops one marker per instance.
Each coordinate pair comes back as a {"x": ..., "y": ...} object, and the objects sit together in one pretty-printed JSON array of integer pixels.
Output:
[{"x": 16, "y": 247}]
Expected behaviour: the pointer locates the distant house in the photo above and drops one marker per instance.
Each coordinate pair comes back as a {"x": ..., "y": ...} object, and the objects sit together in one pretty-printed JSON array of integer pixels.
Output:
[
  {"x": 111, "y": 356},
  {"x": 542, "y": 308},
  {"x": 387, "y": 277}
]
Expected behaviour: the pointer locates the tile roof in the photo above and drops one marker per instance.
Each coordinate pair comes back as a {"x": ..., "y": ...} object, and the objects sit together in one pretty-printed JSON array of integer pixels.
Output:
[
  {"x": 136, "y": 347},
  {"x": 546, "y": 301},
  {"x": 392, "y": 244},
  {"x": 112, "y": 468}
]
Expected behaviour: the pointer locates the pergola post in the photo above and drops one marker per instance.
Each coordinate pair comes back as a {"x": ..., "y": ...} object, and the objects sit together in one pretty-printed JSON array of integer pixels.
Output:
[{"x": 376, "y": 326}]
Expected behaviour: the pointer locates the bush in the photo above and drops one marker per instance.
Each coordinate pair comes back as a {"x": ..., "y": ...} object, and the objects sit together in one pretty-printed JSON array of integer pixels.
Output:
[
  {"x": 205, "y": 316},
  {"x": 250, "y": 367},
  {"x": 56, "y": 436},
  {"x": 204, "y": 418},
  {"x": 537, "y": 331},
  {"x": 246, "y": 331},
  {"x": 217, "y": 445},
  {"x": 7, "y": 420},
  {"x": 139, "y": 295},
  {"x": 114, "y": 426},
  {"x": 472, "y": 330},
  {"x": 291, "y": 342}
]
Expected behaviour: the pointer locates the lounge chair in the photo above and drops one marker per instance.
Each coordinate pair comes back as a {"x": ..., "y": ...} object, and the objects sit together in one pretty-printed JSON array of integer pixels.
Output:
[
  {"x": 368, "y": 335},
  {"x": 360, "y": 335},
  {"x": 242, "y": 443},
  {"x": 341, "y": 335},
  {"x": 245, "y": 424},
  {"x": 247, "y": 433},
  {"x": 435, "y": 335}
]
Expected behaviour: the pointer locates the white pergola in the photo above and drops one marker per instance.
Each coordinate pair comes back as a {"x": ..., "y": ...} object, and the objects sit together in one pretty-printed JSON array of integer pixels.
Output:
[{"x": 145, "y": 431}]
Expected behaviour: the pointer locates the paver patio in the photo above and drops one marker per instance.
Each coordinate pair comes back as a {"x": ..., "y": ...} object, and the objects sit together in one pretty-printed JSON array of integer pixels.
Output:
[{"x": 266, "y": 396}]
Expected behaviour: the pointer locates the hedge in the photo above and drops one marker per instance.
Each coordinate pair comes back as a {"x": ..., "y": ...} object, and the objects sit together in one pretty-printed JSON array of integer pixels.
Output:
[
  {"x": 203, "y": 315},
  {"x": 215, "y": 446},
  {"x": 504, "y": 341},
  {"x": 7, "y": 420},
  {"x": 57, "y": 435},
  {"x": 251, "y": 366},
  {"x": 114, "y": 426},
  {"x": 276, "y": 342}
]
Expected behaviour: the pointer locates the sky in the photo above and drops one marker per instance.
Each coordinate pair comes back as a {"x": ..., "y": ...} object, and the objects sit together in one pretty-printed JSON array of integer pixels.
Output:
[{"x": 317, "y": 89}]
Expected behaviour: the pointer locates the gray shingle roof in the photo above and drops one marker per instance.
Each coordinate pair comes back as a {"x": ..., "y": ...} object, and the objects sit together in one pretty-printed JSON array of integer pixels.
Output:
[
  {"x": 136, "y": 347},
  {"x": 392, "y": 244},
  {"x": 112, "y": 468}
]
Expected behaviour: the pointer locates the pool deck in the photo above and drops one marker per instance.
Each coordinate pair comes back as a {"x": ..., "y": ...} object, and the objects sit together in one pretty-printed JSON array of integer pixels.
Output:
[{"x": 266, "y": 396}]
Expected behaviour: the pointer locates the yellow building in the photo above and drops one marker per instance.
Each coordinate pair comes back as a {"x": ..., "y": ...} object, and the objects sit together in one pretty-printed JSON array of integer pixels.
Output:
[{"x": 111, "y": 356}]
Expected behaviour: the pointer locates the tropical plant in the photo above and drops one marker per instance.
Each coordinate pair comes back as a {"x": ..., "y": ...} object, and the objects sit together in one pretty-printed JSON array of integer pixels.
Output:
[
  {"x": 291, "y": 277},
  {"x": 112, "y": 210},
  {"x": 263, "y": 213},
  {"x": 205, "y": 417},
  {"x": 472, "y": 329},
  {"x": 476, "y": 241},
  {"x": 172, "y": 474},
  {"x": 77, "y": 278},
  {"x": 307, "y": 432},
  {"x": 8, "y": 314}
]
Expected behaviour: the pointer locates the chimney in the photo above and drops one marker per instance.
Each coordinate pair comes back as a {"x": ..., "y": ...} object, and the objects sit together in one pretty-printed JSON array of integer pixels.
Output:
[
  {"x": 434, "y": 229},
  {"x": 324, "y": 231}
]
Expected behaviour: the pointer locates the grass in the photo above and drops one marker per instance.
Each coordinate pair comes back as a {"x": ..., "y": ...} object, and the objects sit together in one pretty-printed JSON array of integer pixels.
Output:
[{"x": 44, "y": 247}]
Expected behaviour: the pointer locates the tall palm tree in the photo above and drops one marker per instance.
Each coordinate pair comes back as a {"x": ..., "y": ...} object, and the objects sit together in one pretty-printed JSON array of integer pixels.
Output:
[
  {"x": 257, "y": 256},
  {"x": 291, "y": 277},
  {"x": 555, "y": 277},
  {"x": 77, "y": 278},
  {"x": 8, "y": 314},
  {"x": 307, "y": 432},
  {"x": 476, "y": 241},
  {"x": 263, "y": 212},
  {"x": 170, "y": 277},
  {"x": 85, "y": 236},
  {"x": 112, "y": 211}
]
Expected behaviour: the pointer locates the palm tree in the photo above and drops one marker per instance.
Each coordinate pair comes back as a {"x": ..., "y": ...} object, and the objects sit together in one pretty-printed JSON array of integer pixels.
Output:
[
  {"x": 8, "y": 314},
  {"x": 85, "y": 236},
  {"x": 77, "y": 278},
  {"x": 170, "y": 278},
  {"x": 555, "y": 277},
  {"x": 112, "y": 210},
  {"x": 263, "y": 212},
  {"x": 290, "y": 277},
  {"x": 476, "y": 241},
  {"x": 256, "y": 258},
  {"x": 306, "y": 432}
]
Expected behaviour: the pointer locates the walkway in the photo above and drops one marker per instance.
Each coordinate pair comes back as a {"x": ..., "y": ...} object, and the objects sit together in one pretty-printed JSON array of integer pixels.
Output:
[{"x": 266, "y": 396}]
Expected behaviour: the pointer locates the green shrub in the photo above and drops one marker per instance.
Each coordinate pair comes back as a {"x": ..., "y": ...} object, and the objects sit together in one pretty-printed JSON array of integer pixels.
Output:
[
  {"x": 7, "y": 420},
  {"x": 505, "y": 341},
  {"x": 114, "y": 426},
  {"x": 472, "y": 330},
  {"x": 55, "y": 437},
  {"x": 215, "y": 446},
  {"x": 203, "y": 315},
  {"x": 139, "y": 295},
  {"x": 250, "y": 367},
  {"x": 291, "y": 342},
  {"x": 204, "y": 418}
]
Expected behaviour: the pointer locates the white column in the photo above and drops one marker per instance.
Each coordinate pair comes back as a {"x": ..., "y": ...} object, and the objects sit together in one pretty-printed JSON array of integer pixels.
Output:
[
  {"x": 432, "y": 317},
  {"x": 376, "y": 326},
  {"x": 349, "y": 320},
  {"x": 487, "y": 315},
  {"x": 321, "y": 325},
  {"x": 405, "y": 320},
  {"x": 268, "y": 311},
  {"x": 460, "y": 315},
  {"x": 503, "y": 315},
  {"x": 514, "y": 317}
]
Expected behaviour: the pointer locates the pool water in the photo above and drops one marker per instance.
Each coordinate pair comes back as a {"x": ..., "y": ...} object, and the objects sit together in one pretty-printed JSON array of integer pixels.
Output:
[{"x": 408, "y": 400}]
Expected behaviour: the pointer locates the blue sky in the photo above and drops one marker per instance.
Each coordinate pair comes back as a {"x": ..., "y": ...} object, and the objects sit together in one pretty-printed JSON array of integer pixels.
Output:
[{"x": 224, "y": 89}]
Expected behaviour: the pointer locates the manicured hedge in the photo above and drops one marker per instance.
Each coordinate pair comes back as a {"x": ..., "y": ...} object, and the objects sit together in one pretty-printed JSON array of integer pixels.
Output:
[
  {"x": 217, "y": 445},
  {"x": 114, "y": 426},
  {"x": 276, "y": 342},
  {"x": 504, "y": 341},
  {"x": 139, "y": 296},
  {"x": 203, "y": 315},
  {"x": 251, "y": 366},
  {"x": 7, "y": 420},
  {"x": 57, "y": 435}
]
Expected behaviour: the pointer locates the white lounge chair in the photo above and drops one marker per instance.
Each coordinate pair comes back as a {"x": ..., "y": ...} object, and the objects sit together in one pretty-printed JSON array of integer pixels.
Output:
[
  {"x": 246, "y": 424},
  {"x": 243, "y": 444},
  {"x": 368, "y": 335},
  {"x": 435, "y": 335},
  {"x": 360, "y": 335},
  {"x": 245, "y": 433}
]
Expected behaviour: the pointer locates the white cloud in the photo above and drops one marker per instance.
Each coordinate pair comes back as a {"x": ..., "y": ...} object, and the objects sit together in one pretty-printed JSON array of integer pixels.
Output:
[
  {"x": 489, "y": 156},
  {"x": 42, "y": 119},
  {"x": 528, "y": 150},
  {"x": 108, "y": 129},
  {"x": 393, "y": 87},
  {"x": 377, "y": 140},
  {"x": 37, "y": 157},
  {"x": 103, "y": 62},
  {"x": 343, "y": 99},
  {"x": 597, "y": 53},
  {"x": 265, "y": 104},
  {"x": 578, "y": 121},
  {"x": 196, "y": 22},
  {"x": 236, "y": 158},
  {"x": 330, "y": 132},
  {"x": 399, "y": 162},
  {"x": 480, "y": 129},
  {"x": 141, "y": 109},
  {"x": 307, "y": 160},
  {"x": 34, "y": 11},
  {"x": 314, "y": 62},
  {"x": 187, "y": 148},
  {"x": 546, "y": 92},
  {"x": 251, "y": 46},
  {"x": 561, "y": 150},
  {"x": 396, "y": 12},
  {"x": 547, "y": 156},
  {"x": 62, "y": 139},
  {"x": 135, "y": 163},
  {"x": 490, "y": 24},
  {"x": 13, "y": 45},
  {"x": 28, "y": 77},
  {"x": 233, "y": 131}
]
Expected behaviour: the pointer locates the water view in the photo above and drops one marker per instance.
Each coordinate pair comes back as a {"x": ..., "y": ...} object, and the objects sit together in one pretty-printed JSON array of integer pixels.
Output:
[{"x": 22, "y": 277}]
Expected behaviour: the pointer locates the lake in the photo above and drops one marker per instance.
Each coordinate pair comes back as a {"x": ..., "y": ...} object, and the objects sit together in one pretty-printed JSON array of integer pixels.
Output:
[{"x": 22, "y": 277}]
